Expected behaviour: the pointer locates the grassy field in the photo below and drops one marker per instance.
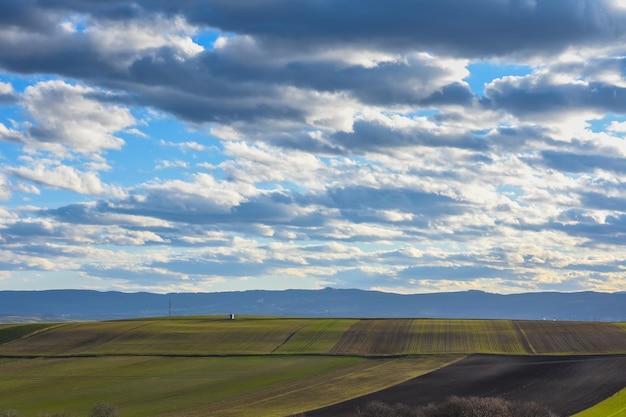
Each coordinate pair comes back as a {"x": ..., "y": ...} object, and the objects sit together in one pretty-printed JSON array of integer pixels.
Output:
[
  {"x": 614, "y": 406},
  {"x": 264, "y": 336},
  {"x": 10, "y": 332},
  {"x": 215, "y": 386},
  {"x": 197, "y": 366}
]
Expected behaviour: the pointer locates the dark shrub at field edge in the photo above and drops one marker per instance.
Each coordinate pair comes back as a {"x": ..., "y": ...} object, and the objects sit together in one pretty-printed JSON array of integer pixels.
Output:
[
  {"x": 457, "y": 407},
  {"x": 98, "y": 410},
  {"x": 104, "y": 410}
]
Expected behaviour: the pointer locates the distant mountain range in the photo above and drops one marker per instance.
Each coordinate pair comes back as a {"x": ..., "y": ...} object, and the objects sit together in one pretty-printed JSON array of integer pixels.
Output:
[{"x": 56, "y": 305}]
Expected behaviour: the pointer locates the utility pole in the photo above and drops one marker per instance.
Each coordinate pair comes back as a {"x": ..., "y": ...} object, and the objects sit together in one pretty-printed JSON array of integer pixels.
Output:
[{"x": 170, "y": 308}]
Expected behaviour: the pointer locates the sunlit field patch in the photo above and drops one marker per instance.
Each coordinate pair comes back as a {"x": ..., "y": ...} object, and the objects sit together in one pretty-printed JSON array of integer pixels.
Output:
[
  {"x": 614, "y": 406},
  {"x": 217, "y": 386},
  {"x": 466, "y": 336}
]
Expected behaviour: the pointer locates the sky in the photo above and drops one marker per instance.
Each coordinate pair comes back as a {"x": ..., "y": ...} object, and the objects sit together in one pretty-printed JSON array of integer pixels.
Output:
[{"x": 408, "y": 146}]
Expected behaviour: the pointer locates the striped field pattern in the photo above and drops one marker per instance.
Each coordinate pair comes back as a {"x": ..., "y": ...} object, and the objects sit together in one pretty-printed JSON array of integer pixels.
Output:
[
  {"x": 361, "y": 337},
  {"x": 548, "y": 337},
  {"x": 262, "y": 366}
]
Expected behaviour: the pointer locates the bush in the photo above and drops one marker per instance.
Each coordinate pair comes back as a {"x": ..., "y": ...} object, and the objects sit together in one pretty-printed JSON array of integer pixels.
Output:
[
  {"x": 379, "y": 409},
  {"x": 104, "y": 410},
  {"x": 458, "y": 407}
]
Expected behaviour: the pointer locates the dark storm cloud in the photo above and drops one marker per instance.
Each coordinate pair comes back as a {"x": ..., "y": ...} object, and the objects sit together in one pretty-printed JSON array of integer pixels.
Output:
[
  {"x": 404, "y": 199},
  {"x": 223, "y": 86},
  {"x": 532, "y": 96},
  {"x": 603, "y": 202},
  {"x": 446, "y": 26},
  {"x": 7, "y": 98},
  {"x": 572, "y": 162},
  {"x": 25, "y": 14},
  {"x": 374, "y": 136},
  {"x": 389, "y": 83},
  {"x": 581, "y": 224},
  {"x": 449, "y": 25}
]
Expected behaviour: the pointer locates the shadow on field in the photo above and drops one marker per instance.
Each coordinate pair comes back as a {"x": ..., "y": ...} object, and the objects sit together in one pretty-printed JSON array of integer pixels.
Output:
[{"x": 565, "y": 384}]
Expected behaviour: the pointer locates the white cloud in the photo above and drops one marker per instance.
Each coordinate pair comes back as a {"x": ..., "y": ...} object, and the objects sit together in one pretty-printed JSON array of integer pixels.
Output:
[
  {"x": 138, "y": 36},
  {"x": 67, "y": 116},
  {"x": 5, "y": 189},
  {"x": 185, "y": 146},
  {"x": 163, "y": 164},
  {"x": 10, "y": 135},
  {"x": 618, "y": 127},
  {"x": 56, "y": 175},
  {"x": 347, "y": 151},
  {"x": 6, "y": 88}
]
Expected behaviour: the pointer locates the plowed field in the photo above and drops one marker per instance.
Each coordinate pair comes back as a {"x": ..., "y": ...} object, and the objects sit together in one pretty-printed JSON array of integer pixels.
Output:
[
  {"x": 566, "y": 384},
  {"x": 547, "y": 337}
]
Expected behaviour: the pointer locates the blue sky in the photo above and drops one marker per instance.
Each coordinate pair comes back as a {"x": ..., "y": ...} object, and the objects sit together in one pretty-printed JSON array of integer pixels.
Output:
[{"x": 403, "y": 146}]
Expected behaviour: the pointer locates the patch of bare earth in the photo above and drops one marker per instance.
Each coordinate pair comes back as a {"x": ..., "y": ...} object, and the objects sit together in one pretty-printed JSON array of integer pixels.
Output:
[{"x": 565, "y": 384}]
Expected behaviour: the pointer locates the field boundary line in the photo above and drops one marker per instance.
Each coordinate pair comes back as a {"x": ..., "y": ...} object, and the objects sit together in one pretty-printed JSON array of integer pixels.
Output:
[{"x": 300, "y": 387}]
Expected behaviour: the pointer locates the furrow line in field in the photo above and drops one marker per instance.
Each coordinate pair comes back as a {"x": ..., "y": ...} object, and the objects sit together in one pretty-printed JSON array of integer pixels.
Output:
[
  {"x": 523, "y": 339},
  {"x": 284, "y": 342},
  {"x": 317, "y": 336}
]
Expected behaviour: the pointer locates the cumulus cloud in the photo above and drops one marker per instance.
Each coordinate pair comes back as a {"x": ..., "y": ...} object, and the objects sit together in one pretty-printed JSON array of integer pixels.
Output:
[
  {"x": 5, "y": 190},
  {"x": 66, "y": 117},
  {"x": 7, "y": 94},
  {"x": 56, "y": 175},
  {"x": 343, "y": 143}
]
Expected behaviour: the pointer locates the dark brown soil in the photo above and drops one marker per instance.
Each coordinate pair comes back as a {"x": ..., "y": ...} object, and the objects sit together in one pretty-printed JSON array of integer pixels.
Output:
[{"x": 565, "y": 384}]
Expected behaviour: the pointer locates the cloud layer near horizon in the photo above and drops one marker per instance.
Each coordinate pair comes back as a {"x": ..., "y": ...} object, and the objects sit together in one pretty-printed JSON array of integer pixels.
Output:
[{"x": 408, "y": 146}]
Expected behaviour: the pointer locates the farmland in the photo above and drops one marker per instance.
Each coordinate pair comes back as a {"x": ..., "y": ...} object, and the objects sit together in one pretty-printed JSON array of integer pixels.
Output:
[
  {"x": 262, "y": 336},
  {"x": 274, "y": 366},
  {"x": 615, "y": 406},
  {"x": 216, "y": 386}
]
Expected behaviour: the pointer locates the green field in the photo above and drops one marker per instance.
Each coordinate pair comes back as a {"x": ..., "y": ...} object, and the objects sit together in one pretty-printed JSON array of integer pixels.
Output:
[
  {"x": 198, "y": 366},
  {"x": 10, "y": 332},
  {"x": 215, "y": 386},
  {"x": 611, "y": 407},
  {"x": 263, "y": 336}
]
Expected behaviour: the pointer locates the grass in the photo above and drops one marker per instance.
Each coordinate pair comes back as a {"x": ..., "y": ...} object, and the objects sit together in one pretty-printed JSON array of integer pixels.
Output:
[
  {"x": 614, "y": 406},
  {"x": 262, "y": 366},
  {"x": 193, "y": 336},
  {"x": 261, "y": 336},
  {"x": 12, "y": 332},
  {"x": 466, "y": 336},
  {"x": 316, "y": 336},
  {"x": 216, "y": 386}
]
